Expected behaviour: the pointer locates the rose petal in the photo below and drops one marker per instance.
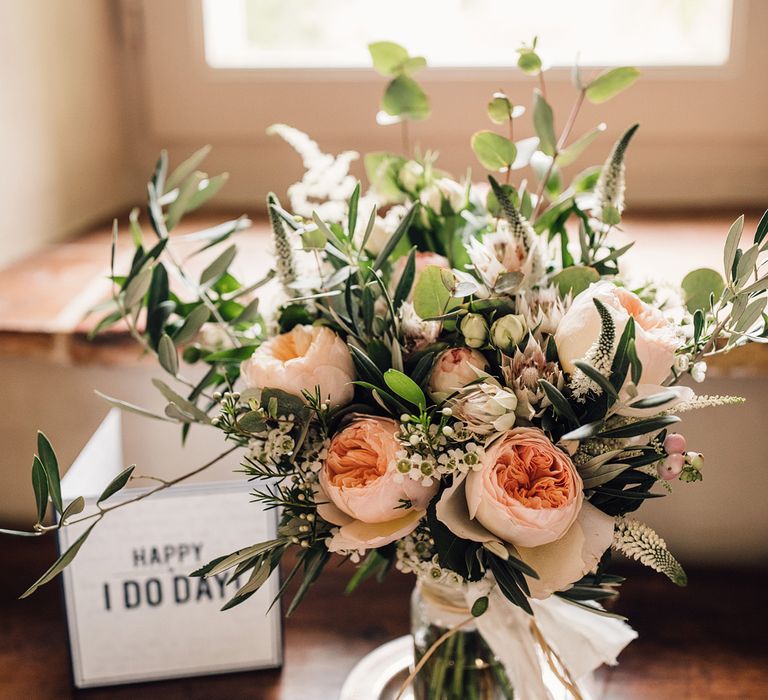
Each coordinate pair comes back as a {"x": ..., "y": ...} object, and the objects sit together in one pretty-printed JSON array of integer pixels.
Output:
[
  {"x": 327, "y": 510},
  {"x": 453, "y": 512},
  {"x": 358, "y": 535},
  {"x": 561, "y": 563}
]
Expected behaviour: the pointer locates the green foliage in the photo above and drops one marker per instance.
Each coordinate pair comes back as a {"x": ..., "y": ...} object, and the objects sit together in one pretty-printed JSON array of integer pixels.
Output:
[
  {"x": 495, "y": 152},
  {"x": 402, "y": 385},
  {"x": 610, "y": 83},
  {"x": 432, "y": 292},
  {"x": 544, "y": 124},
  {"x": 575, "y": 279},
  {"x": 403, "y": 97},
  {"x": 699, "y": 285}
]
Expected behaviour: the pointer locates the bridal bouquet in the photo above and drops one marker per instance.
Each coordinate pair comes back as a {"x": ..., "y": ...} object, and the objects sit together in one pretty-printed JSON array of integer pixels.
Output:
[{"x": 453, "y": 379}]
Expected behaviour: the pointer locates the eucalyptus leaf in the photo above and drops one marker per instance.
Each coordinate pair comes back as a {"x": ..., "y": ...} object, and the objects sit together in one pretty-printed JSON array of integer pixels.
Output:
[
  {"x": 697, "y": 287},
  {"x": 431, "y": 296},
  {"x": 404, "y": 98},
  {"x": 495, "y": 152},
  {"x": 500, "y": 108},
  {"x": 575, "y": 279},
  {"x": 387, "y": 57},
  {"x": 611, "y": 83},
  {"x": 571, "y": 153},
  {"x": 543, "y": 122}
]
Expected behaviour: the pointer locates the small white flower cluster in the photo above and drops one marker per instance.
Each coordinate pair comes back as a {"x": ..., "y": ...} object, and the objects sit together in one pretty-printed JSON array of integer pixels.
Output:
[
  {"x": 427, "y": 455},
  {"x": 271, "y": 446},
  {"x": 415, "y": 555}
]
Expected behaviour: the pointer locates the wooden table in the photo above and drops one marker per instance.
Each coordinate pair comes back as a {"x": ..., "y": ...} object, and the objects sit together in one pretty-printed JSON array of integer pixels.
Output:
[{"x": 708, "y": 641}]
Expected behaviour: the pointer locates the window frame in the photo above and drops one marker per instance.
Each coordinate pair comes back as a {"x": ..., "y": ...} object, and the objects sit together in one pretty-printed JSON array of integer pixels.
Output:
[{"x": 182, "y": 98}]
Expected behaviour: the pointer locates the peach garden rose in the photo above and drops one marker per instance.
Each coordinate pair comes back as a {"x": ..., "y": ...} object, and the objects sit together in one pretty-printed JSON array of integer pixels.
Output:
[
  {"x": 300, "y": 360},
  {"x": 453, "y": 370},
  {"x": 364, "y": 496},
  {"x": 655, "y": 338},
  {"x": 527, "y": 496}
]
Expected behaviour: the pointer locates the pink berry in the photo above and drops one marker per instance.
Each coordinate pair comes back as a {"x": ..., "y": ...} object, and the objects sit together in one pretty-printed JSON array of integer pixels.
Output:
[
  {"x": 674, "y": 444},
  {"x": 671, "y": 467}
]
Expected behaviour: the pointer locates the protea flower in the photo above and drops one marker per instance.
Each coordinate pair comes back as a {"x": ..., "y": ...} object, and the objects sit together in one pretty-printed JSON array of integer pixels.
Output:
[
  {"x": 522, "y": 373},
  {"x": 543, "y": 309},
  {"x": 485, "y": 408}
]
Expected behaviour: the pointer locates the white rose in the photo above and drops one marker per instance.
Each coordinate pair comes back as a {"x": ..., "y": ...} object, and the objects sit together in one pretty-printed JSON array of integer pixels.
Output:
[
  {"x": 300, "y": 360},
  {"x": 655, "y": 338},
  {"x": 444, "y": 189}
]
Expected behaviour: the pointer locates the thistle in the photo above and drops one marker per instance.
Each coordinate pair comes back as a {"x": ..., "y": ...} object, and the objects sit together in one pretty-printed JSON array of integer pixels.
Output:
[
  {"x": 609, "y": 190},
  {"x": 639, "y": 542},
  {"x": 284, "y": 262}
]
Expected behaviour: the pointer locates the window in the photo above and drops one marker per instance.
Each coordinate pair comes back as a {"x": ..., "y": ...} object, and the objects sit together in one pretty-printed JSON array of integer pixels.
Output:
[
  {"x": 470, "y": 33},
  {"x": 222, "y": 71}
]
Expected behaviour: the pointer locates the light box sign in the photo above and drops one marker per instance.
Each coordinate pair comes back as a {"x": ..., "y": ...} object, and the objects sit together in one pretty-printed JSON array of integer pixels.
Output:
[{"x": 134, "y": 614}]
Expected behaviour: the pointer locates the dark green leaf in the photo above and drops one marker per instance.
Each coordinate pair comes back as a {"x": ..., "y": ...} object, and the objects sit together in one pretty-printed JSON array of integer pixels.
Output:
[
  {"x": 40, "y": 487},
  {"x": 559, "y": 402},
  {"x": 405, "y": 387},
  {"x": 219, "y": 266},
  {"x": 51, "y": 466},
  {"x": 479, "y": 606},
  {"x": 395, "y": 238},
  {"x": 192, "y": 325},
  {"x": 76, "y": 506},
  {"x": 642, "y": 427},
  {"x": 597, "y": 378},
  {"x": 117, "y": 483}
]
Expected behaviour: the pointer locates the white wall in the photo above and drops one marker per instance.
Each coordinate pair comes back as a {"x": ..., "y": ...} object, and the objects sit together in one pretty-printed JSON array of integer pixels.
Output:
[{"x": 63, "y": 149}]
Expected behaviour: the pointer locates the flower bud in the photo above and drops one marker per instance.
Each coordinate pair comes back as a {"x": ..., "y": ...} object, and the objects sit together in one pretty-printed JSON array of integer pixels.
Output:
[
  {"x": 699, "y": 372},
  {"x": 696, "y": 460},
  {"x": 411, "y": 175},
  {"x": 508, "y": 331},
  {"x": 475, "y": 330}
]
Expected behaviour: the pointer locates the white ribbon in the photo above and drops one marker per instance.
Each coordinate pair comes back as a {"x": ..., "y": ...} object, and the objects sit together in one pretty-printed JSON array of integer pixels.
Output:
[{"x": 582, "y": 640}]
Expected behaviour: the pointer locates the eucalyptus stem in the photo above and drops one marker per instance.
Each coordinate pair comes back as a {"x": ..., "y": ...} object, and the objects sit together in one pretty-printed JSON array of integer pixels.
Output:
[
  {"x": 558, "y": 147},
  {"x": 405, "y": 137}
]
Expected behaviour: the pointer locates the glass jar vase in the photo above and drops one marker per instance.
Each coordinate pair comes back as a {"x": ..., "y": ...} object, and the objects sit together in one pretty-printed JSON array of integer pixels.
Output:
[{"x": 462, "y": 667}]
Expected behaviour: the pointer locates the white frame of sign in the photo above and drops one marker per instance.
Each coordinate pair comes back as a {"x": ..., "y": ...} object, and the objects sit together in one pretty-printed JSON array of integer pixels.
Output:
[{"x": 98, "y": 462}]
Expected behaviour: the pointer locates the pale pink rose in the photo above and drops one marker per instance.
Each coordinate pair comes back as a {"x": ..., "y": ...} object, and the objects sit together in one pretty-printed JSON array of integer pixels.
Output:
[
  {"x": 302, "y": 359},
  {"x": 655, "y": 338},
  {"x": 453, "y": 370},
  {"x": 422, "y": 260},
  {"x": 527, "y": 491},
  {"x": 367, "y": 501}
]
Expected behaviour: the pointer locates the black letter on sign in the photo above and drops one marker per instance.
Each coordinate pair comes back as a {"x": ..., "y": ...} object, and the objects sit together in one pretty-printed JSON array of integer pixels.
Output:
[
  {"x": 154, "y": 592},
  {"x": 107, "y": 602},
  {"x": 180, "y": 589},
  {"x": 131, "y": 601}
]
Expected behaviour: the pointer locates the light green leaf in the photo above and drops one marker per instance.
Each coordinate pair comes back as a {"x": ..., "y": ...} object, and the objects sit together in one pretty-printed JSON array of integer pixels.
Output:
[
  {"x": 181, "y": 205},
  {"x": 500, "y": 108},
  {"x": 544, "y": 124},
  {"x": 192, "y": 324},
  {"x": 697, "y": 287},
  {"x": 206, "y": 190},
  {"x": 75, "y": 507},
  {"x": 575, "y": 279},
  {"x": 138, "y": 287},
  {"x": 131, "y": 408},
  {"x": 60, "y": 564},
  {"x": 413, "y": 64},
  {"x": 732, "y": 245},
  {"x": 746, "y": 265},
  {"x": 184, "y": 404},
  {"x": 431, "y": 294},
  {"x": 571, "y": 153},
  {"x": 166, "y": 354},
  {"x": 529, "y": 62},
  {"x": 611, "y": 83},
  {"x": 186, "y": 168},
  {"x": 219, "y": 266},
  {"x": 404, "y": 98},
  {"x": 117, "y": 483},
  {"x": 40, "y": 487},
  {"x": 387, "y": 57},
  {"x": 402, "y": 385},
  {"x": 495, "y": 152},
  {"x": 51, "y": 466}
]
